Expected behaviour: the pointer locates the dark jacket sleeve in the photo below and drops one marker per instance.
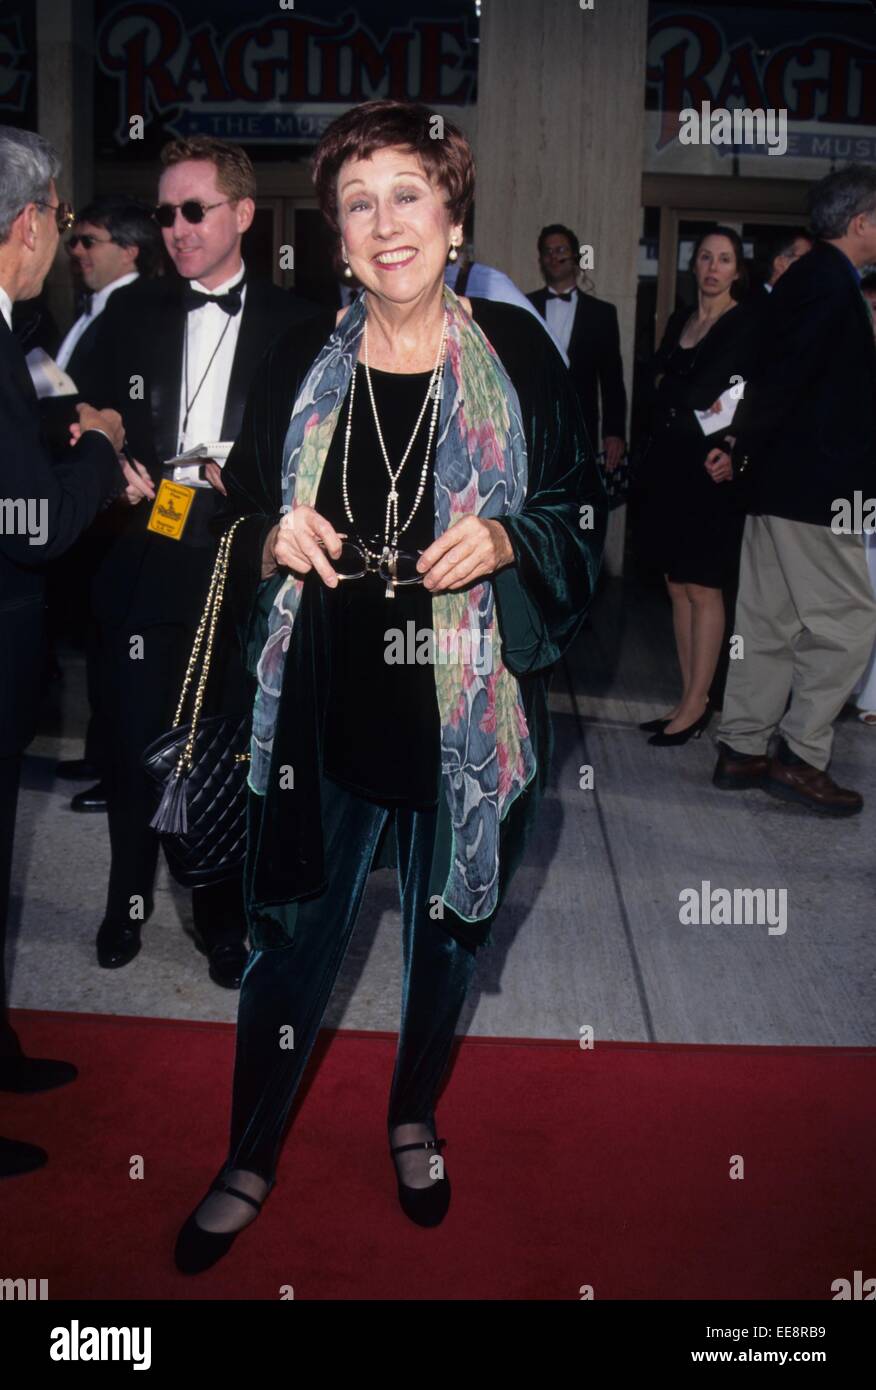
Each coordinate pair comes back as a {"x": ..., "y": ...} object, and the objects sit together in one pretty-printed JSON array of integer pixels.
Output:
[
  {"x": 799, "y": 328},
  {"x": 611, "y": 379},
  {"x": 558, "y": 537},
  {"x": 67, "y": 495},
  {"x": 252, "y": 481}
]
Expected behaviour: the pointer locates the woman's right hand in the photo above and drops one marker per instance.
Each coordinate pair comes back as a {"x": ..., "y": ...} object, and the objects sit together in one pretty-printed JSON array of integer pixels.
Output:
[{"x": 299, "y": 542}]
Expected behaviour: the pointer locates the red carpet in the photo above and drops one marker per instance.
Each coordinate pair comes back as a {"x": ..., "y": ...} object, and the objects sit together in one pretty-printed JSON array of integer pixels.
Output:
[{"x": 607, "y": 1168}]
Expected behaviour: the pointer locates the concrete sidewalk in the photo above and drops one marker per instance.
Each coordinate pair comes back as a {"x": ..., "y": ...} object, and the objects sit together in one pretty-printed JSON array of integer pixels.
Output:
[{"x": 590, "y": 934}]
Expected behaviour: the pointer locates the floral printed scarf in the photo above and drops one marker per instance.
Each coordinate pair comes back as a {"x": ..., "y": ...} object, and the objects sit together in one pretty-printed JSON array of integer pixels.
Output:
[{"x": 480, "y": 470}]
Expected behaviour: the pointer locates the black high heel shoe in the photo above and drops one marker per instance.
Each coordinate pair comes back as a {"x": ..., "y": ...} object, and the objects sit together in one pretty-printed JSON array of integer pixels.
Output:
[
  {"x": 653, "y": 726},
  {"x": 427, "y": 1206},
  {"x": 663, "y": 740},
  {"x": 197, "y": 1249}
]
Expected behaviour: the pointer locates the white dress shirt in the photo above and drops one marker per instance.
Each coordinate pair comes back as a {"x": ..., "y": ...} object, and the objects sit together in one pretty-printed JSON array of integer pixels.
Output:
[
  {"x": 561, "y": 316},
  {"x": 84, "y": 321},
  {"x": 6, "y": 306},
  {"x": 204, "y": 328}
]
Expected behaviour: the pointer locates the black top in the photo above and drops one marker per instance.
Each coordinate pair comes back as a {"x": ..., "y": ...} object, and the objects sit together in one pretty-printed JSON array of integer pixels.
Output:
[{"x": 382, "y": 728}]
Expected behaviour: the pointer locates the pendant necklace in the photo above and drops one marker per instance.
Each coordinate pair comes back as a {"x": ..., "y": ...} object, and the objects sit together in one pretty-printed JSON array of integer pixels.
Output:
[{"x": 391, "y": 529}]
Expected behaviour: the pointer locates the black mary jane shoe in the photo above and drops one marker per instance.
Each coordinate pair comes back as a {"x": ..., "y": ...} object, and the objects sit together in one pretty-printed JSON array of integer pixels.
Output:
[
  {"x": 197, "y": 1249},
  {"x": 653, "y": 726},
  {"x": 427, "y": 1206}
]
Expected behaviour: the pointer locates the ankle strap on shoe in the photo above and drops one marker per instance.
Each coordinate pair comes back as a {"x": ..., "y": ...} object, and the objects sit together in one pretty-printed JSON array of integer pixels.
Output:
[
  {"x": 220, "y": 1185},
  {"x": 421, "y": 1144}
]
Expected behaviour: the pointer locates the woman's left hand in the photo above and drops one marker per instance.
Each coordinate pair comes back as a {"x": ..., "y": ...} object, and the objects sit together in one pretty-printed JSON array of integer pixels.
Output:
[{"x": 468, "y": 550}]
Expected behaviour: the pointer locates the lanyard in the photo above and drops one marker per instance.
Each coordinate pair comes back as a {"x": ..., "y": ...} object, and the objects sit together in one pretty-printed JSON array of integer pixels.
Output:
[{"x": 190, "y": 402}]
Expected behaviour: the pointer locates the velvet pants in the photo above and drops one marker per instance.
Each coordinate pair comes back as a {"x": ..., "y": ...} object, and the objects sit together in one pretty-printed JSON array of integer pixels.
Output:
[{"x": 288, "y": 987}]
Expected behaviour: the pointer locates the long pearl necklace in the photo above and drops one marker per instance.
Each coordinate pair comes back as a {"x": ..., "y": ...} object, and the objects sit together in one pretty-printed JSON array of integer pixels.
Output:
[{"x": 391, "y": 529}]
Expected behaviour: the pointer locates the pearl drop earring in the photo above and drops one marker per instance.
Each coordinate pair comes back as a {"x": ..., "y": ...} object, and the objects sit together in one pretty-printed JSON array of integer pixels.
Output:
[
  {"x": 452, "y": 253},
  {"x": 347, "y": 271}
]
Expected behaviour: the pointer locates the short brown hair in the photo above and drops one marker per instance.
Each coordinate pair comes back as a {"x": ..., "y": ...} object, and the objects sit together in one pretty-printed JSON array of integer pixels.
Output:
[
  {"x": 235, "y": 175},
  {"x": 379, "y": 125}
]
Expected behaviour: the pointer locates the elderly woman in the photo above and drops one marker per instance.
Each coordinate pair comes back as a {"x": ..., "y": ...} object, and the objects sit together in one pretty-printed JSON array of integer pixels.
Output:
[{"x": 418, "y": 466}]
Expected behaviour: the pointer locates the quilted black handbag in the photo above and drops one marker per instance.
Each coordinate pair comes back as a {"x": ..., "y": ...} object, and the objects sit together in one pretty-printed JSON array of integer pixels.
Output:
[
  {"x": 616, "y": 480},
  {"x": 201, "y": 766}
]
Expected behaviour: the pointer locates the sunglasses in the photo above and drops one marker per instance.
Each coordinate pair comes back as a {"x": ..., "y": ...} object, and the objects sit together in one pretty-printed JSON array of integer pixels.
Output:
[
  {"x": 87, "y": 242},
  {"x": 396, "y": 567},
  {"x": 191, "y": 209},
  {"x": 64, "y": 214}
]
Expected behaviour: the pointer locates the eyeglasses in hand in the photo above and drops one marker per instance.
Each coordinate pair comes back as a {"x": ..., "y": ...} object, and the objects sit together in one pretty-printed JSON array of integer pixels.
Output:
[{"x": 393, "y": 566}]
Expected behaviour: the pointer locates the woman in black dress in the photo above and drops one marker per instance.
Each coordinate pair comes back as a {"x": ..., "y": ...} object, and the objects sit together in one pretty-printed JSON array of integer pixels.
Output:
[{"x": 690, "y": 513}]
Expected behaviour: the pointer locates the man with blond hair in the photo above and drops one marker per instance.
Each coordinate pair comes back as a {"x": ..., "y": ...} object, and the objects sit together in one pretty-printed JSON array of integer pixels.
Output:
[{"x": 186, "y": 348}]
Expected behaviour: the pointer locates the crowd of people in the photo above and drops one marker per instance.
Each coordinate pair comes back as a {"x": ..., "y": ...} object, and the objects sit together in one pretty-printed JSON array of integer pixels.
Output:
[{"x": 436, "y": 440}]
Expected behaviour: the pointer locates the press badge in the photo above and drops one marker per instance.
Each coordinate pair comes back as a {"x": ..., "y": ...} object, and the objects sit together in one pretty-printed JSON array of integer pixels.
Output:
[{"x": 170, "y": 509}]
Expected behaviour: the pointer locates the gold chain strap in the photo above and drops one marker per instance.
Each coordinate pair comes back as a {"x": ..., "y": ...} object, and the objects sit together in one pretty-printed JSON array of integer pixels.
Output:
[{"x": 207, "y": 625}]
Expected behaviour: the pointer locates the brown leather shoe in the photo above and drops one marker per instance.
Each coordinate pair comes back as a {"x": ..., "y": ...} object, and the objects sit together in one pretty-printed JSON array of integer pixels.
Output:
[
  {"x": 736, "y": 771},
  {"x": 801, "y": 782}
]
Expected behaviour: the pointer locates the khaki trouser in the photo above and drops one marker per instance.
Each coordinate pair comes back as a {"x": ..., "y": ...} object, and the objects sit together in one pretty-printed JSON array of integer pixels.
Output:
[{"x": 807, "y": 614}]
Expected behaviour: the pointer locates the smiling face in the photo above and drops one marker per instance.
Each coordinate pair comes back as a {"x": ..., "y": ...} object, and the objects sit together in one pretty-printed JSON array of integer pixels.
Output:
[
  {"x": 207, "y": 251},
  {"x": 104, "y": 261},
  {"x": 394, "y": 224},
  {"x": 715, "y": 266}
]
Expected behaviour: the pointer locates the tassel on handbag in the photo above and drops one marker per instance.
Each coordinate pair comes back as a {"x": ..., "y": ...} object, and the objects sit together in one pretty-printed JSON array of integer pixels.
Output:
[{"x": 171, "y": 818}]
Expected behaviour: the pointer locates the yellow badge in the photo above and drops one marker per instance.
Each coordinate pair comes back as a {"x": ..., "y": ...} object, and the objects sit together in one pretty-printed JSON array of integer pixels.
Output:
[{"x": 170, "y": 509}]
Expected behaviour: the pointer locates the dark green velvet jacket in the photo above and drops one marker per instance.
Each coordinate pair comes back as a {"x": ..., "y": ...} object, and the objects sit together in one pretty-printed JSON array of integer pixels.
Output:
[{"x": 541, "y": 601}]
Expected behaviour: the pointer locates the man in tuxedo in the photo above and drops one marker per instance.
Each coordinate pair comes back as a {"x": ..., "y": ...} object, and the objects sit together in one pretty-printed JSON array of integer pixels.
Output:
[
  {"x": 181, "y": 364},
  {"x": 805, "y": 436},
  {"x": 115, "y": 242},
  {"x": 587, "y": 330},
  {"x": 42, "y": 511}
]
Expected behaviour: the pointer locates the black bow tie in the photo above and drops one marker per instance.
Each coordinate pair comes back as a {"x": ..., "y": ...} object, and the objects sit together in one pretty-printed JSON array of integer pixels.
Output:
[
  {"x": 84, "y": 300},
  {"x": 555, "y": 294},
  {"x": 231, "y": 301}
]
